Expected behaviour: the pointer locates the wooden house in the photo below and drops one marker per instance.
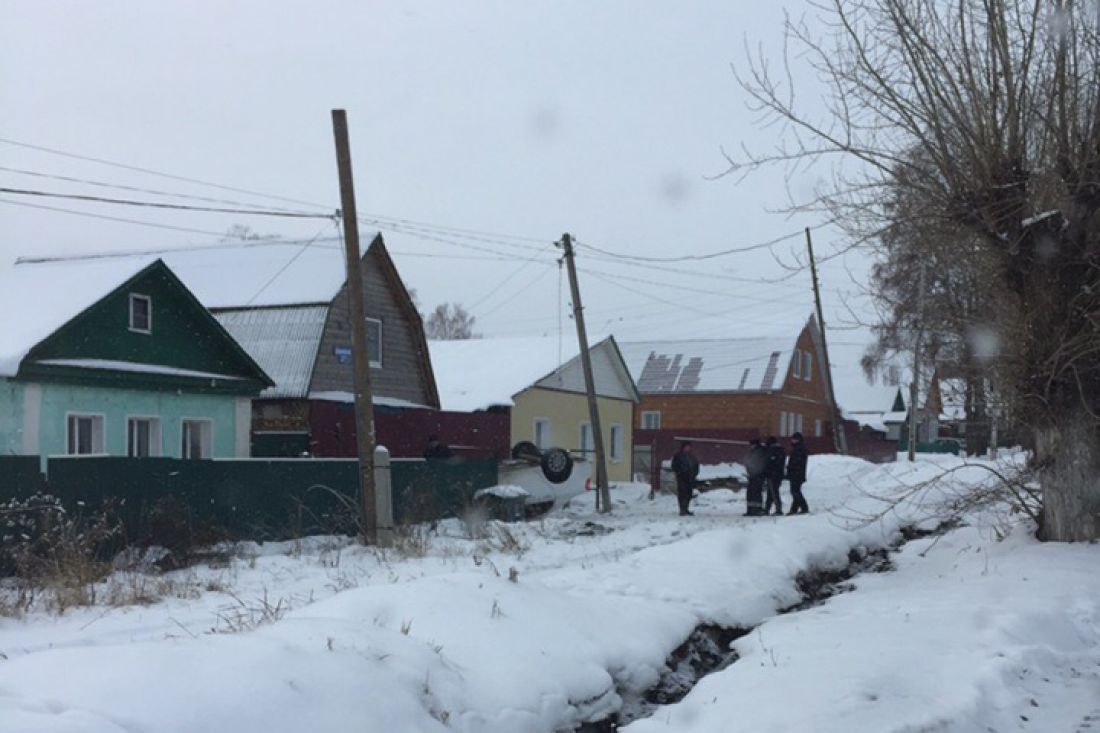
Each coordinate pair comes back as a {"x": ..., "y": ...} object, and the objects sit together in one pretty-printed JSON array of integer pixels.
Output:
[
  {"x": 539, "y": 383},
  {"x": 287, "y": 306},
  {"x": 117, "y": 357}
]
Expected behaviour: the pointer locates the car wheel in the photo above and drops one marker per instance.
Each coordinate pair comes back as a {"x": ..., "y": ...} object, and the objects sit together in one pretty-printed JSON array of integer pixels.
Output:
[
  {"x": 557, "y": 465},
  {"x": 526, "y": 450}
]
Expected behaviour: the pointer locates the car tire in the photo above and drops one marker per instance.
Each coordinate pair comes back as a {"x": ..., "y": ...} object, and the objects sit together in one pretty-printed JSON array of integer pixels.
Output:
[
  {"x": 557, "y": 465},
  {"x": 526, "y": 450}
]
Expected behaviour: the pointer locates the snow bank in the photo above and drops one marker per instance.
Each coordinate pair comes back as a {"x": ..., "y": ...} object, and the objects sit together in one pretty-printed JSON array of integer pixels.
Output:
[{"x": 503, "y": 491}]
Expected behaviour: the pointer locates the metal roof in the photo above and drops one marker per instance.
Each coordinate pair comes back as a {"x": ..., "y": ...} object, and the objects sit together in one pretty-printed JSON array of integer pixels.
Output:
[
  {"x": 708, "y": 365},
  {"x": 283, "y": 341}
]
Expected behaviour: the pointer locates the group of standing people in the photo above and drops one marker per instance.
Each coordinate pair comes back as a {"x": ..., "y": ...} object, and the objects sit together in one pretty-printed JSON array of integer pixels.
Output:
[{"x": 767, "y": 465}]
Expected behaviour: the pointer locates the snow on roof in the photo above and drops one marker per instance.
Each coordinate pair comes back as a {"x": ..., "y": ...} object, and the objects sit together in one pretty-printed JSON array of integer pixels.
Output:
[
  {"x": 250, "y": 273},
  {"x": 38, "y": 299},
  {"x": 283, "y": 341},
  {"x": 129, "y": 366},
  {"x": 868, "y": 402},
  {"x": 709, "y": 365},
  {"x": 475, "y": 374}
]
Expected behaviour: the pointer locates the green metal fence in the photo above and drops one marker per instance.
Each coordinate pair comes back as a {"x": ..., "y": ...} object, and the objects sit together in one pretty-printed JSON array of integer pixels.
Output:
[
  {"x": 20, "y": 476},
  {"x": 260, "y": 499}
]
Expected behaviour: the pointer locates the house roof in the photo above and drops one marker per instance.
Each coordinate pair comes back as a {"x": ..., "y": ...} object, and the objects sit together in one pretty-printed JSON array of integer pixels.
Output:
[
  {"x": 868, "y": 401},
  {"x": 709, "y": 365},
  {"x": 38, "y": 300},
  {"x": 282, "y": 340},
  {"x": 476, "y": 374},
  {"x": 250, "y": 273}
]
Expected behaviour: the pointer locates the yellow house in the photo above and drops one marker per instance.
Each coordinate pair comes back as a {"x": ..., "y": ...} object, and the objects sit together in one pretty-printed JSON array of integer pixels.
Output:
[{"x": 541, "y": 382}]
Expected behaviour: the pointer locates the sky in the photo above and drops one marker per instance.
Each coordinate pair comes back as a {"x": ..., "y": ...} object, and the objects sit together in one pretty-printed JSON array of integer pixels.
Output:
[{"x": 480, "y": 132}]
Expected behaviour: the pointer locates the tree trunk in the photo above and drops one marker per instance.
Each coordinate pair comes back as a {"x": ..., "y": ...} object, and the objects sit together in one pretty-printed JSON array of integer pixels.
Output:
[{"x": 1068, "y": 458}]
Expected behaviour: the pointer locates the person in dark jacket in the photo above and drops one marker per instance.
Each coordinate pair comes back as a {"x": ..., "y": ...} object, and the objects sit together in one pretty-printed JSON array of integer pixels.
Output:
[
  {"x": 686, "y": 468},
  {"x": 437, "y": 449},
  {"x": 756, "y": 464},
  {"x": 776, "y": 467},
  {"x": 796, "y": 474}
]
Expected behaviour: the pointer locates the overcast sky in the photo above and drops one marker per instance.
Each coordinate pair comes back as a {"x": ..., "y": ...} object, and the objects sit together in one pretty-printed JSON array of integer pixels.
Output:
[{"x": 526, "y": 119}]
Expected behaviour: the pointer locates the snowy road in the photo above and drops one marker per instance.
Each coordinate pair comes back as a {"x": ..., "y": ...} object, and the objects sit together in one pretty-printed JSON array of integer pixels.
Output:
[{"x": 547, "y": 625}]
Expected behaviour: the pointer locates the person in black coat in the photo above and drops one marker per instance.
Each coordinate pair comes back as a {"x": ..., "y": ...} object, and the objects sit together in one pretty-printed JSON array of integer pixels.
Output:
[
  {"x": 776, "y": 467},
  {"x": 796, "y": 474},
  {"x": 686, "y": 468},
  {"x": 756, "y": 465}
]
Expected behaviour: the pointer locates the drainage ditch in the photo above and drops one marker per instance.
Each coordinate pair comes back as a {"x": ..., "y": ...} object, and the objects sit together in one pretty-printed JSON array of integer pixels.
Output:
[{"x": 707, "y": 649}]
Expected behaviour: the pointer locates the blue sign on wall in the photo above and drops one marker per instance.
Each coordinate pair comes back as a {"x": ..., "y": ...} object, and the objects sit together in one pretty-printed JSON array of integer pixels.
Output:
[{"x": 343, "y": 354}]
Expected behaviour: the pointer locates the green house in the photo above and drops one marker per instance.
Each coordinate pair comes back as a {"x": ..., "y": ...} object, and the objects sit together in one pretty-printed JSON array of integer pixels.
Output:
[{"x": 115, "y": 356}]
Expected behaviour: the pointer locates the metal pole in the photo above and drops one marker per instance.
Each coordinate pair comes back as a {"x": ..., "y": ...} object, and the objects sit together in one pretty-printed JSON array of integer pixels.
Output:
[
  {"x": 840, "y": 442},
  {"x": 603, "y": 494},
  {"x": 364, "y": 405}
]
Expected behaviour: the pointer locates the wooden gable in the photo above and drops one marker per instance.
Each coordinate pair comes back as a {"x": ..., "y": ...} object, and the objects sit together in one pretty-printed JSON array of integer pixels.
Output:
[{"x": 182, "y": 347}]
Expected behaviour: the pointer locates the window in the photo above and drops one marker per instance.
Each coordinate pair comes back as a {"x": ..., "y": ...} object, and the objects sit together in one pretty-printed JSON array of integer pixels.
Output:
[
  {"x": 651, "y": 420},
  {"x": 616, "y": 442},
  {"x": 817, "y": 428},
  {"x": 796, "y": 366},
  {"x": 807, "y": 366},
  {"x": 374, "y": 342},
  {"x": 142, "y": 437},
  {"x": 85, "y": 435},
  {"x": 588, "y": 444},
  {"x": 782, "y": 424},
  {"x": 796, "y": 424},
  {"x": 542, "y": 433},
  {"x": 141, "y": 313},
  {"x": 198, "y": 439}
]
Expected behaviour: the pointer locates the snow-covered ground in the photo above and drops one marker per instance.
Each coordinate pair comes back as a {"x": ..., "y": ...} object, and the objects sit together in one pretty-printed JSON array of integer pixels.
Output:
[{"x": 542, "y": 626}]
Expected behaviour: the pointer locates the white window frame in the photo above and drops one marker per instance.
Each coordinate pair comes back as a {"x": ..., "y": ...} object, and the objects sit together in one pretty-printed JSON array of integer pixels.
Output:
[
  {"x": 587, "y": 447},
  {"x": 148, "y": 309},
  {"x": 99, "y": 433},
  {"x": 796, "y": 368},
  {"x": 375, "y": 363},
  {"x": 817, "y": 428},
  {"x": 154, "y": 435},
  {"x": 651, "y": 416},
  {"x": 547, "y": 437},
  {"x": 618, "y": 437},
  {"x": 807, "y": 366},
  {"x": 798, "y": 423},
  {"x": 782, "y": 423},
  {"x": 205, "y": 452}
]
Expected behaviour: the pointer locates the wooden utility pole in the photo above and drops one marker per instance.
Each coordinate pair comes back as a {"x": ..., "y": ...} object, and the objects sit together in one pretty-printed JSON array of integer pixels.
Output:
[
  {"x": 914, "y": 388},
  {"x": 603, "y": 494},
  {"x": 364, "y": 404},
  {"x": 839, "y": 441}
]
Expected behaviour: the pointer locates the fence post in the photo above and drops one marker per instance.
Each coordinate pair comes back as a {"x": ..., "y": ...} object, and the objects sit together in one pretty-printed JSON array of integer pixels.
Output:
[{"x": 383, "y": 496}]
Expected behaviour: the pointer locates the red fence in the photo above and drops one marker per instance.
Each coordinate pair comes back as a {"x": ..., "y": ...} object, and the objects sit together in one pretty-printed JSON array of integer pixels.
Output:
[{"x": 405, "y": 432}]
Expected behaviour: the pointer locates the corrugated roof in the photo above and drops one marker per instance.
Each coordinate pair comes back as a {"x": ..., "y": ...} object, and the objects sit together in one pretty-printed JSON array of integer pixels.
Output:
[
  {"x": 709, "y": 365},
  {"x": 283, "y": 341}
]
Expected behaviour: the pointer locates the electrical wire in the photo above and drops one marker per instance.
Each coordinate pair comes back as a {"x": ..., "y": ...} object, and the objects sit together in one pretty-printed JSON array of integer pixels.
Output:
[
  {"x": 695, "y": 257},
  {"x": 91, "y": 215},
  {"x": 160, "y": 205},
  {"x": 291, "y": 261}
]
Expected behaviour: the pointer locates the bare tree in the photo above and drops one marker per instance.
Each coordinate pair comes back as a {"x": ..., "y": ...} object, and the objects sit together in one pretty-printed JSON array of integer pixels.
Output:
[
  {"x": 450, "y": 322},
  {"x": 1001, "y": 102}
]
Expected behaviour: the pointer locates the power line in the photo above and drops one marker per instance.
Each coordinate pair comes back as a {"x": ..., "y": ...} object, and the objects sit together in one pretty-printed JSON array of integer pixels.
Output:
[
  {"x": 519, "y": 291},
  {"x": 657, "y": 283},
  {"x": 112, "y": 218},
  {"x": 160, "y": 205},
  {"x": 708, "y": 256}
]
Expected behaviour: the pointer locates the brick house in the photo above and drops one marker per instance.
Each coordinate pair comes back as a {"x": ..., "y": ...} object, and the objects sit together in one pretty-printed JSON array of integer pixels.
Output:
[{"x": 757, "y": 386}]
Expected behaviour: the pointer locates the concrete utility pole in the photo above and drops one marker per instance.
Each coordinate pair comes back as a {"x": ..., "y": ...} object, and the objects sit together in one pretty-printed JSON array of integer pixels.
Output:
[
  {"x": 364, "y": 404},
  {"x": 840, "y": 442},
  {"x": 603, "y": 494},
  {"x": 914, "y": 388}
]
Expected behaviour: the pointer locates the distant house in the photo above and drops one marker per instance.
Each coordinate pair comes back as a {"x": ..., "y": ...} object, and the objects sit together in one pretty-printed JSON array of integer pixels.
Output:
[
  {"x": 117, "y": 357},
  {"x": 877, "y": 404},
  {"x": 767, "y": 386},
  {"x": 286, "y": 304},
  {"x": 540, "y": 384}
]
